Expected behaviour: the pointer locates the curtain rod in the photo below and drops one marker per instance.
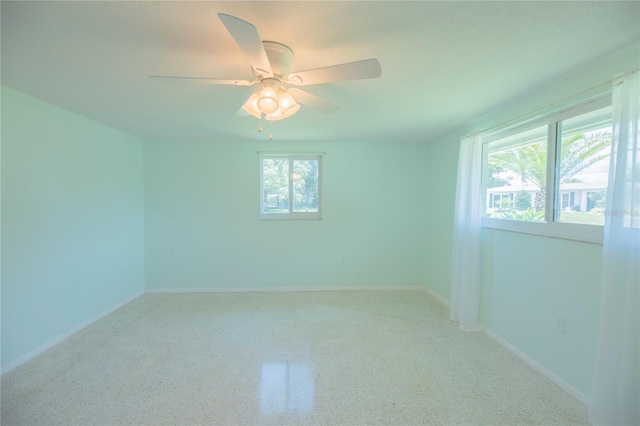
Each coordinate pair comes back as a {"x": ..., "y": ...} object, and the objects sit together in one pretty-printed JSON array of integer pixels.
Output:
[{"x": 538, "y": 112}]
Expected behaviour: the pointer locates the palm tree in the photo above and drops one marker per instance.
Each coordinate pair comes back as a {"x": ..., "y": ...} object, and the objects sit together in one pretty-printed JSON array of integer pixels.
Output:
[{"x": 577, "y": 153}]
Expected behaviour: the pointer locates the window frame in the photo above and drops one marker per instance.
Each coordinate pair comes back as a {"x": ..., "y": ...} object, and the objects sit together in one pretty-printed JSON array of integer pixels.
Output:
[
  {"x": 550, "y": 227},
  {"x": 291, "y": 215}
]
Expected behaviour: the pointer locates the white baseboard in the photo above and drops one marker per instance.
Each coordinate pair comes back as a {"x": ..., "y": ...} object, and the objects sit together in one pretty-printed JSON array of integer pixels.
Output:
[
  {"x": 26, "y": 357},
  {"x": 441, "y": 299},
  {"x": 270, "y": 289},
  {"x": 538, "y": 367},
  {"x": 525, "y": 358}
]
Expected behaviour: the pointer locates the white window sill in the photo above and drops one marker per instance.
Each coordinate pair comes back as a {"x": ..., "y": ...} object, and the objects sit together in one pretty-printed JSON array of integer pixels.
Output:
[
  {"x": 567, "y": 231},
  {"x": 292, "y": 216}
]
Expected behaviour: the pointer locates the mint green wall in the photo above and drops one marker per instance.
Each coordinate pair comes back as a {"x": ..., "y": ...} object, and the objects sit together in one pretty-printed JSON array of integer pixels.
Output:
[
  {"x": 72, "y": 221},
  {"x": 528, "y": 281},
  {"x": 441, "y": 186},
  {"x": 202, "y": 225}
]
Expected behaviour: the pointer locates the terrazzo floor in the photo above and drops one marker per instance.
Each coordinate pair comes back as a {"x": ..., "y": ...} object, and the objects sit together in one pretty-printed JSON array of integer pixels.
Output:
[{"x": 350, "y": 357}]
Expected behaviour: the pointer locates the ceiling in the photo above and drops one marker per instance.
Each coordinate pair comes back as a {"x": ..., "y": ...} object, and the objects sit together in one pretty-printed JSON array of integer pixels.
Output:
[{"x": 443, "y": 63}]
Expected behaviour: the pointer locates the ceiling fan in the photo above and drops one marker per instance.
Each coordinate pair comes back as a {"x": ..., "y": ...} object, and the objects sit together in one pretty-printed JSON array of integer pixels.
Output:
[{"x": 278, "y": 96}]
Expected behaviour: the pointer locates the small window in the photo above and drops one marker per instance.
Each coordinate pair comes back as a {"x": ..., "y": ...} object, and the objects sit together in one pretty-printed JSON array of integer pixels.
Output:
[{"x": 290, "y": 186}]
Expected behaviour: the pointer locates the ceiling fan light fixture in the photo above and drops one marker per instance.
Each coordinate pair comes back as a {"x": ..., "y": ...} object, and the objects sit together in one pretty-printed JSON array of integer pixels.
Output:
[
  {"x": 268, "y": 98},
  {"x": 268, "y": 102},
  {"x": 275, "y": 116},
  {"x": 288, "y": 105},
  {"x": 251, "y": 106}
]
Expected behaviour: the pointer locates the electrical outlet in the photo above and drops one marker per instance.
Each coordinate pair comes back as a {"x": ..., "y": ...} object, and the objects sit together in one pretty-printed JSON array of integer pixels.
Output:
[{"x": 561, "y": 323}]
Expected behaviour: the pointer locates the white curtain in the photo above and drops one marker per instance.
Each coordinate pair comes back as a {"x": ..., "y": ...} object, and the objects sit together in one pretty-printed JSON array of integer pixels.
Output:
[
  {"x": 615, "y": 395},
  {"x": 465, "y": 274}
]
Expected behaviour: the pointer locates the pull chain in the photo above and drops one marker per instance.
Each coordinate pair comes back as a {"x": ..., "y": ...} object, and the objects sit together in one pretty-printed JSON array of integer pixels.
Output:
[
  {"x": 270, "y": 134},
  {"x": 260, "y": 125}
]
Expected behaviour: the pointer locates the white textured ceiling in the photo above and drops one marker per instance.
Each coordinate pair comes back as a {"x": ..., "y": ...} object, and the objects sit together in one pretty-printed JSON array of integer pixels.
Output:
[{"x": 443, "y": 63}]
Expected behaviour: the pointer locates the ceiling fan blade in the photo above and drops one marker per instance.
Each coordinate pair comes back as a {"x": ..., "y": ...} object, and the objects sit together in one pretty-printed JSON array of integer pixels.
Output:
[
  {"x": 205, "y": 80},
  {"x": 241, "y": 112},
  {"x": 368, "y": 68},
  {"x": 313, "y": 101},
  {"x": 247, "y": 37}
]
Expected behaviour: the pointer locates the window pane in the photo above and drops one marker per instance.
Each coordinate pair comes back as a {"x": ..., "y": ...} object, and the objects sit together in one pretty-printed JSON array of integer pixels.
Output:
[
  {"x": 515, "y": 177},
  {"x": 584, "y": 167},
  {"x": 275, "y": 185},
  {"x": 305, "y": 185}
]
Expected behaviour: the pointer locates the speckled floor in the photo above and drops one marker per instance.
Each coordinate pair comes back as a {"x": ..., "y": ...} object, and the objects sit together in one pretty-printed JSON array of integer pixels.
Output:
[{"x": 353, "y": 357}]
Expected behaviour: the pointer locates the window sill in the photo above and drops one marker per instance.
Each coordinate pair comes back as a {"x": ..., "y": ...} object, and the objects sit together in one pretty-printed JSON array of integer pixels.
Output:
[
  {"x": 291, "y": 216},
  {"x": 592, "y": 234}
]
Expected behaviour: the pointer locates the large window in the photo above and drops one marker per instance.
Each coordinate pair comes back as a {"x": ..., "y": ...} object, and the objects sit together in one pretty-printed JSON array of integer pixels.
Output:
[
  {"x": 553, "y": 171},
  {"x": 290, "y": 186}
]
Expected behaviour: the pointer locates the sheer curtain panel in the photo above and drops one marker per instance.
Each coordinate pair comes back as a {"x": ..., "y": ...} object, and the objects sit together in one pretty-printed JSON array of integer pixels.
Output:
[
  {"x": 615, "y": 394},
  {"x": 465, "y": 274}
]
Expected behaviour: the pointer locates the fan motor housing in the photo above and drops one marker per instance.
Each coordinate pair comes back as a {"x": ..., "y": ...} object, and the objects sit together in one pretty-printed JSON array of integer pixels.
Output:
[{"x": 280, "y": 58}]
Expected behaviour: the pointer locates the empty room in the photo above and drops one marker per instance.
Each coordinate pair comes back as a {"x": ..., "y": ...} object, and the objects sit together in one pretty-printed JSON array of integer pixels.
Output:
[{"x": 336, "y": 213}]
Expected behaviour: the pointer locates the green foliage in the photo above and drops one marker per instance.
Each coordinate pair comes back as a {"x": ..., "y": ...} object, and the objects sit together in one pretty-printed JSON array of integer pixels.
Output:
[
  {"x": 598, "y": 199},
  {"x": 305, "y": 184},
  {"x": 275, "y": 181},
  {"x": 504, "y": 203},
  {"x": 522, "y": 200},
  {"x": 493, "y": 178},
  {"x": 529, "y": 214},
  {"x": 577, "y": 153},
  {"x": 528, "y": 161},
  {"x": 594, "y": 217}
]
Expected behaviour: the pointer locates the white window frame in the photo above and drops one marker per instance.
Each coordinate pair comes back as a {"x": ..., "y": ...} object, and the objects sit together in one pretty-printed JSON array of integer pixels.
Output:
[
  {"x": 292, "y": 215},
  {"x": 550, "y": 227}
]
